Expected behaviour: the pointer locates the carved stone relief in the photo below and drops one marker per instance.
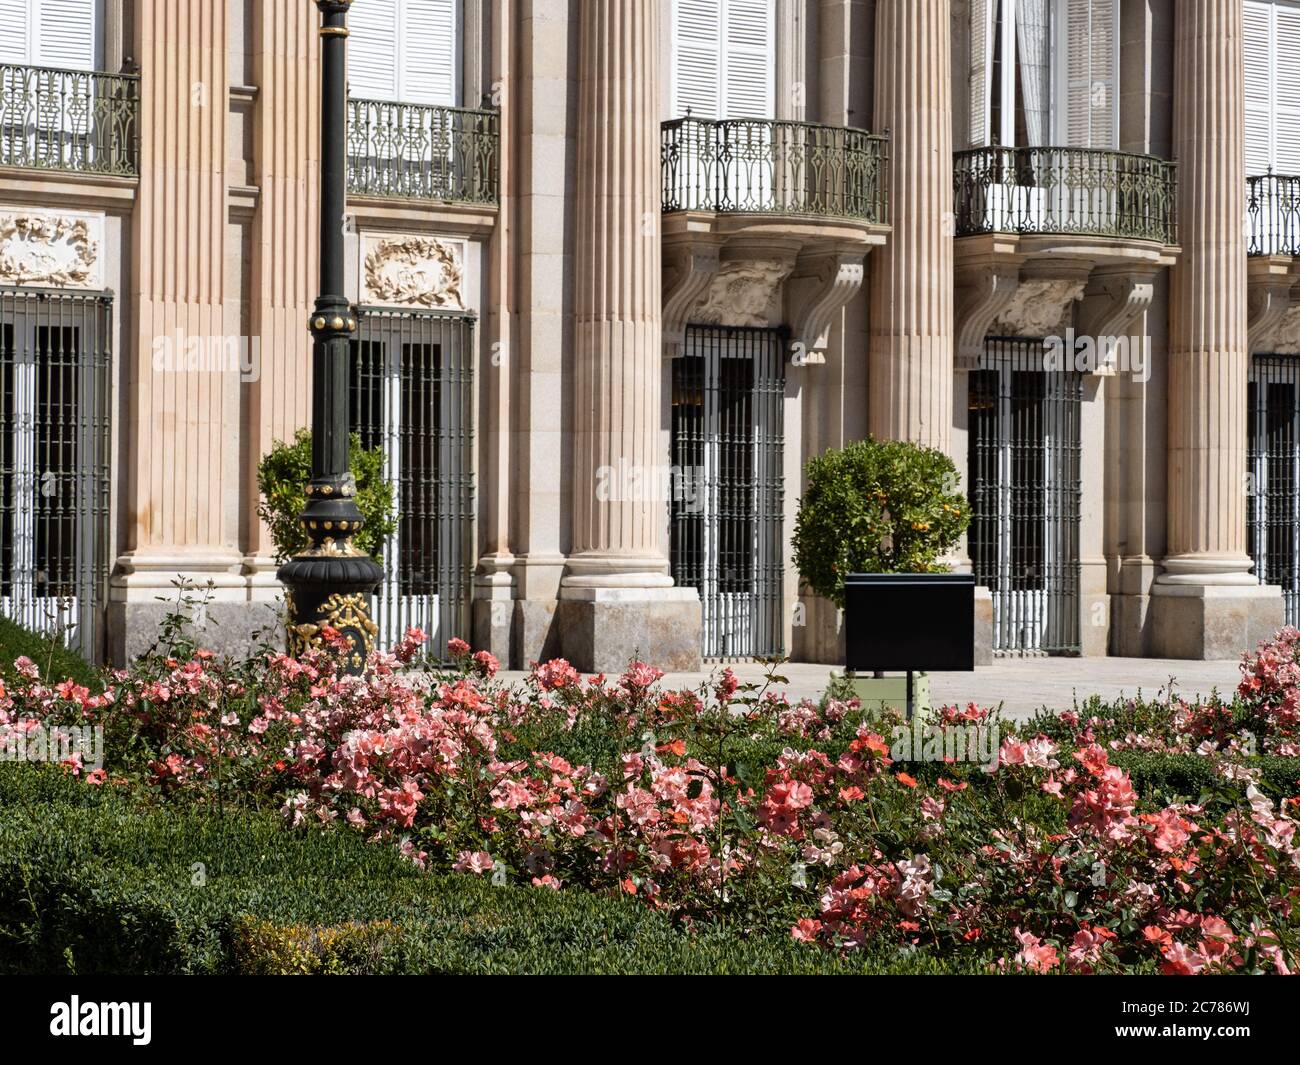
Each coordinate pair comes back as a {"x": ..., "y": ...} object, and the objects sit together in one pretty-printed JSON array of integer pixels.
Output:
[
  {"x": 1038, "y": 307},
  {"x": 53, "y": 250},
  {"x": 412, "y": 271},
  {"x": 744, "y": 293}
]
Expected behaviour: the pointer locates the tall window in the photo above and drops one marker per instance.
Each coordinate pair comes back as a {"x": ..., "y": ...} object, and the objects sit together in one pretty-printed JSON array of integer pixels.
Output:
[
  {"x": 1272, "y": 58},
  {"x": 723, "y": 58},
  {"x": 50, "y": 33},
  {"x": 405, "y": 51},
  {"x": 1043, "y": 72}
]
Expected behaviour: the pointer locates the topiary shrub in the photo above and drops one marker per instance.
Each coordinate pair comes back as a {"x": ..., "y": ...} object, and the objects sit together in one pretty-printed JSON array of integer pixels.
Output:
[
  {"x": 283, "y": 476},
  {"x": 876, "y": 506}
]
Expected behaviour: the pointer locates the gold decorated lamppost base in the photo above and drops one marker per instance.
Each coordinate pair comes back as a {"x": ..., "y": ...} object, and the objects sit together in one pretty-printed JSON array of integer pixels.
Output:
[{"x": 329, "y": 584}]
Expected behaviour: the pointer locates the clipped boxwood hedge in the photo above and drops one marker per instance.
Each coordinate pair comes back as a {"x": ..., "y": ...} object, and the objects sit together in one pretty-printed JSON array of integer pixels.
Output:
[
  {"x": 90, "y": 883},
  {"x": 56, "y": 662}
]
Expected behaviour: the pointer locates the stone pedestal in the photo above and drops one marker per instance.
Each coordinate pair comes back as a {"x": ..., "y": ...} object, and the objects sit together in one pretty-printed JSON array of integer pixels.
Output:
[
  {"x": 1212, "y": 622},
  {"x": 606, "y": 628}
]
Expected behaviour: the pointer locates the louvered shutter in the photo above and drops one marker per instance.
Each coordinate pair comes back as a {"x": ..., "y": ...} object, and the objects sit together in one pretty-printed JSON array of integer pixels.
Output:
[
  {"x": 15, "y": 30},
  {"x": 1091, "y": 84},
  {"x": 1258, "y": 54},
  {"x": 697, "y": 58},
  {"x": 981, "y": 70},
  {"x": 1286, "y": 129},
  {"x": 429, "y": 36},
  {"x": 66, "y": 33},
  {"x": 748, "y": 59},
  {"x": 372, "y": 50}
]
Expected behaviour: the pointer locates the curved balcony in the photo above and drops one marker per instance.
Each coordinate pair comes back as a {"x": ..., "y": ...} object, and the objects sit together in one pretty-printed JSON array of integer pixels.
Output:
[
  {"x": 768, "y": 223},
  {"x": 76, "y": 121},
  {"x": 1273, "y": 214},
  {"x": 422, "y": 152},
  {"x": 1081, "y": 192},
  {"x": 1273, "y": 263},
  {"x": 760, "y": 166},
  {"x": 1041, "y": 230}
]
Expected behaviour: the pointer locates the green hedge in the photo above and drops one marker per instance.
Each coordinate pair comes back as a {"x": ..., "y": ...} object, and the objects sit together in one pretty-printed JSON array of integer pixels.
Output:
[
  {"x": 1166, "y": 778},
  {"x": 57, "y": 662},
  {"x": 92, "y": 884}
]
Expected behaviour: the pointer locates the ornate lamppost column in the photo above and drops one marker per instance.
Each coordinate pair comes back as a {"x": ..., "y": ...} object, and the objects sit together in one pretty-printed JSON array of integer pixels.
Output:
[{"x": 331, "y": 581}]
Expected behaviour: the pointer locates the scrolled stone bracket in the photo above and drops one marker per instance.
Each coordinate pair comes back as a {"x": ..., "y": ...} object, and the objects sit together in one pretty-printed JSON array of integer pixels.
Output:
[
  {"x": 1112, "y": 302},
  {"x": 819, "y": 287},
  {"x": 1273, "y": 304},
  {"x": 983, "y": 292},
  {"x": 689, "y": 270}
]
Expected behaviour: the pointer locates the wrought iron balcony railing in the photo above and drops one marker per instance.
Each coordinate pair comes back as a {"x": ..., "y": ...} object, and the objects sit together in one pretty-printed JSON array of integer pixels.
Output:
[
  {"x": 1083, "y": 191},
  {"x": 77, "y": 120},
  {"x": 1273, "y": 214},
  {"x": 770, "y": 167},
  {"x": 422, "y": 152}
]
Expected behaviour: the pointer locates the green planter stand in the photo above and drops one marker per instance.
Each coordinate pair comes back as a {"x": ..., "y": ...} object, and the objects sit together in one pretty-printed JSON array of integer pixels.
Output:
[{"x": 890, "y": 693}]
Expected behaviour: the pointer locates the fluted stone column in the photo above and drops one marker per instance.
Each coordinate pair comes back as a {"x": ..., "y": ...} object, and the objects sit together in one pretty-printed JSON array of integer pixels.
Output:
[
  {"x": 1207, "y": 603},
  {"x": 286, "y": 164},
  {"x": 617, "y": 596},
  {"x": 179, "y": 502},
  {"x": 910, "y": 389}
]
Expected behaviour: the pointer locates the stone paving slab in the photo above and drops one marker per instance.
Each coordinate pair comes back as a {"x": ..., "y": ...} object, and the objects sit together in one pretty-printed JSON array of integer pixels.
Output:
[{"x": 1021, "y": 685}]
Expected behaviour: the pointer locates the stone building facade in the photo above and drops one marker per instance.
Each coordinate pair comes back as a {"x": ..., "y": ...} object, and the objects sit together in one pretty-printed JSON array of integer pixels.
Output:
[{"x": 621, "y": 267}]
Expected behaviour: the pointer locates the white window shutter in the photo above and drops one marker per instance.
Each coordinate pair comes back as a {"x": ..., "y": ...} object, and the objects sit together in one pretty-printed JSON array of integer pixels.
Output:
[
  {"x": 1091, "y": 81},
  {"x": 430, "y": 33},
  {"x": 1104, "y": 132},
  {"x": 1258, "y": 54},
  {"x": 372, "y": 50},
  {"x": 66, "y": 33},
  {"x": 697, "y": 58},
  {"x": 981, "y": 70},
  {"x": 15, "y": 32},
  {"x": 1286, "y": 78},
  {"x": 749, "y": 58}
]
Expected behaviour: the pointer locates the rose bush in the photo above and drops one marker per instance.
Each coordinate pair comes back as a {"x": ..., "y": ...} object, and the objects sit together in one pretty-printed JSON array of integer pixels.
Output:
[{"x": 730, "y": 806}]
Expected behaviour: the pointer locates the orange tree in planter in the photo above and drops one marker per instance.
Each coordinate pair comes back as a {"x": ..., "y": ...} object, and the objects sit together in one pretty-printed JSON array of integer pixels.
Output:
[{"x": 876, "y": 506}]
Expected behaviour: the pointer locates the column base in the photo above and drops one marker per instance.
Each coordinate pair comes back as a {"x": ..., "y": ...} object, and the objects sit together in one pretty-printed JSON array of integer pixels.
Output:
[
  {"x": 243, "y": 608},
  {"x": 1207, "y": 622},
  {"x": 602, "y": 630}
]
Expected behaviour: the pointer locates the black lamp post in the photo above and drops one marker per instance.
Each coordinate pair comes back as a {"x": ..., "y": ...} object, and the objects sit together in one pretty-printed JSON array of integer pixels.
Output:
[{"x": 331, "y": 581}]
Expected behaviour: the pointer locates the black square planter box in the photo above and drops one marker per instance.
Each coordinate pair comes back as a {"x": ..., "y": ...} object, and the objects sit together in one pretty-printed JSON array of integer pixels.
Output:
[{"x": 909, "y": 622}]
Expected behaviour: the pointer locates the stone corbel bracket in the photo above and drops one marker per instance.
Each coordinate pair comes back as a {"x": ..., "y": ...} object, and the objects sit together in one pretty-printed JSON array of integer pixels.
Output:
[
  {"x": 1272, "y": 298},
  {"x": 983, "y": 292},
  {"x": 1113, "y": 300},
  {"x": 689, "y": 270},
  {"x": 816, "y": 291}
]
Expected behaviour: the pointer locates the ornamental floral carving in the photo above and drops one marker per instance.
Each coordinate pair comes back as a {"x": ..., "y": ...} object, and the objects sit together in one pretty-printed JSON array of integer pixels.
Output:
[
  {"x": 1038, "y": 307},
  {"x": 39, "y": 249},
  {"x": 746, "y": 293},
  {"x": 414, "y": 271}
]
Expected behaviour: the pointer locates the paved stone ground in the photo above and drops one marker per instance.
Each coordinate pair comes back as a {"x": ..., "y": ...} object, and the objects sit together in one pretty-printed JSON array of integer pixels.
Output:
[{"x": 1023, "y": 685}]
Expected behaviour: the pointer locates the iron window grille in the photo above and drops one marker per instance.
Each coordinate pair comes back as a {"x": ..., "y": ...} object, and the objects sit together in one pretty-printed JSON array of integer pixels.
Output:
[
  {"x": 728, "y": 491},
  {"x": 55, "y": 365},
  {"x": 411, "y": 393},
  {"x": 1025, "y": 494},
  {"x": 1273, "y": 458}
]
